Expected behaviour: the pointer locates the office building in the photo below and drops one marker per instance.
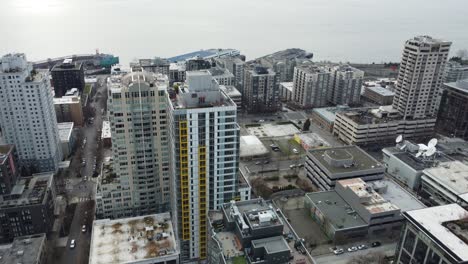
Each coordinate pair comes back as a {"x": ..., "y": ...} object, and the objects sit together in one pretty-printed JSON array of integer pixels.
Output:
[
  {"x": 27, "y": 115},
  {"x": 346, "y": 85},
  {"x": 325, "y": 166},
  {"x": 8, "y": 168},
  {"x": 205, "y": 140},
  {"x": 234, "y": 94},
  {"x": 434, "y": 235},
  {"x": 67, "y": 75},
  {"x": 356, "y": 209},
  {"x": 25, "y": 250},
  {"x": 137, "y": 180},
  {"x": 286, "y": 91},
  {"x": 403, "y": 165},
  {"x": 373, "y": 126},
  {"x": 445, "y": 184},
  {"x": 325, "y": 117},
  {"x": 452, "y": 119},
  {"x": 261, "y": 91},
  {"x": 420, "y": 77},
  {"x": 69, "y": 109},
  {"x": 29, "y": 208},
  {"x": 197, "y": 64},
  {"x": 312, "y": 86},
  {"x": 378, "y": 95},
  {"x": 251, "y": 231},
  {"x": 222, "y": 76},
  {"x": 147, "y": 239},
  {"x": 454, "y": 71},
  {"x": 156, "y": 65}
]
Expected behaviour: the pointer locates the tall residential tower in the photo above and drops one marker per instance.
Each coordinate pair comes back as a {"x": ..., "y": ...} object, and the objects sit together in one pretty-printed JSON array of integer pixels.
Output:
[
  {"x": 205, "y": 139},
  {"x": 27, "y": 114},
  {"x": 417, "y": 92}
]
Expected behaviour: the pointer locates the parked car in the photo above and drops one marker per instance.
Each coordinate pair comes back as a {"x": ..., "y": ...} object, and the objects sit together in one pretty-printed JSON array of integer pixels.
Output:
[
  {"x": 72, "y": 243},
  {"x": 292, "y": 166},
  {"x": 83, "y": 229},
  {"x": 295, "y": 151},
  {"x": 258, "y": 163},
  {"x": 376, "y": 244},
  {"x": 362, "y": 247},
  {"x": 352, "y": 249},
  {"x": 266, "y": 162},
  {"x": 338, "y": 251}
]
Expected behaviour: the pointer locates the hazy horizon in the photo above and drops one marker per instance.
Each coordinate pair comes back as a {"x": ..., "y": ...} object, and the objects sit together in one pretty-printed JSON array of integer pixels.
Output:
[{"x": 340, "y": 30}]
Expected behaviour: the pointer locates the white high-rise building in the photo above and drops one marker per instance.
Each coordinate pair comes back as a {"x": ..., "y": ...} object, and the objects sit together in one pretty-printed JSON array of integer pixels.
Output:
[
  {"x": 138, "y": 181},
  {"x": 311, "y": 85},
  {"x": 27, "y": 114},
  {"x": 205, "y": 137},
  {"x": 421, "y": 74},
  {"x": 346, "y": 85}
]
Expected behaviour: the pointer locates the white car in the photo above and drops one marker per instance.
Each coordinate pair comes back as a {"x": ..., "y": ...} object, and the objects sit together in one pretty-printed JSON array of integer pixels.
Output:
[
  {"x": 83, "y": 229},
  {"x": 352, "y": 249},
  {"x": 295, "y": 151},
  {"x": 362, "y": 247},
  {"x": 72, "y": 243},
  {"x": 338, "y": 251}
]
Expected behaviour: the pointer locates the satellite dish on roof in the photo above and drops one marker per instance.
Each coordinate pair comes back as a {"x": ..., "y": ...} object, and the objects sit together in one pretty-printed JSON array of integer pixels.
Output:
[
  {"x": 422, "y": 147},
  {"x": 432, "y": 142},
  {"x": 430, "y": 151},
  {"x": 418, "y": 154},
  {"x": 399, "y": 139}
]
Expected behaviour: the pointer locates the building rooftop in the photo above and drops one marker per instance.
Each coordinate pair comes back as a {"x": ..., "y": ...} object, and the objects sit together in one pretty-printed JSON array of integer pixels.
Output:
[
  {"x": 106, "y": 129},
  {"x": 337, "y": 210},
  {"x": 5, "y": 151},
  {"x": 421, "y": 40},
  {"x": 13, "y": 62},
  {"x": 345, "y": 159},
  {"x": 28, "y": 191},
  {"x": 314, "y": 68},
  {"x": 408, "y": 156},
  {"x": 452, "y": 175},
  {"x": 132, "y": 239},
  {"x": 446, "y": 225},
  {"x": 255, "y": 213},
  {"x": 395, "y": 194},
  {"x": 252, "y": 146},
  {"x": 65, "y": 130},
  {"x": 206, "y": 54},
  {"x": 461, "y": 85},
  {"x": 67, "y": 65},
  {"x": 118, "y": 81},
  {"x": 177, "y": 66},
  {"x": 312, "y": 140},
  {"x": 372, "y": 115},
  {"x": 271, "y": 244},
  {"x": 220, "y": 72},
  {"x": 381, "y": 90},
  {"x": 23, "y": 250},
  {"x": 74, "y": 99},
  {"x": 288, "y": 85},
  {"x": 230, "y": 90},
  {"x": 329, "y": 113}
]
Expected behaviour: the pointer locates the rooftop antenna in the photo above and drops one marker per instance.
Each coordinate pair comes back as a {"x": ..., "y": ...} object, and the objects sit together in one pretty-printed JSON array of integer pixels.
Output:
[
  {"x": 432, "y": 142},
  {"x": 399, "y": 139}
]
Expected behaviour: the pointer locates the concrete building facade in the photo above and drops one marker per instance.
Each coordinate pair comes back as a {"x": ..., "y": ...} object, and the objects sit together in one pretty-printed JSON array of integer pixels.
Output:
[
  {"x": 25, "y": 250},
  {"x": 346, "y": 85},
  {"x": 312, "y": 86},
  {"x": 420, "y": 77},
  {"x": 67, "y": 75},
  {"x": 140, "y": 181},
  {"x": 379, "y": 95},
  {"x": 8, "y": 168},
  {"x": 69, "y": 109},
  {"x": 27, "y": 114},
  {"x": 261, "y": 91},
  {"x": 205, "y": 139},
  {"x": 454, "y": 72}
]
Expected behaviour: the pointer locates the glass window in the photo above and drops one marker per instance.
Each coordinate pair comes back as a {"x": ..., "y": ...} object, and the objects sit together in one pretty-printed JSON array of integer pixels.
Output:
[
  {"x": 420, "y": 252},
  {"x": 409, "y": 241}
]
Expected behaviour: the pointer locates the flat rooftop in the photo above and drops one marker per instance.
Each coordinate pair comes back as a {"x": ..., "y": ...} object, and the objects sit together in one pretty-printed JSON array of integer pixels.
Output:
[
  {"x": 132, "y": 239},
  {"x": 252, "y": 146},
  {"x": 356, "y": 159},
  {"x": 381, "y": 90},
  {"x": 271, "y": 244},
  {"x": 337, "y": 210},
  {"x": 69, "y": 65},
  {"x": 65, "y": 130},
  {"x": 106, "y": 129},
  {"x": 396, "y": 195},
  {"x": 230, "y": 90},
  {"x": 419, "y": 164},
  {"x": 24, "y": 250},
  {"x": 72, "y": 99},
  {"x": 220, "y": 72},
  {"x": 452, "y": 175},
  {"x": 313, "y": 140},
  {"x": 288, "y": 85},
  {"x": 28, "y": 191},
  {"x": 329, "y": 113},
  {"x": 433, "y": 221}
]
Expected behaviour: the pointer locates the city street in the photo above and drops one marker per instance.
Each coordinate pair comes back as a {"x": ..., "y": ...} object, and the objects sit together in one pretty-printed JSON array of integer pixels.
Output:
[
  {"x": 384, "y": 250},
  {"x": 81, "y": 186}
]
